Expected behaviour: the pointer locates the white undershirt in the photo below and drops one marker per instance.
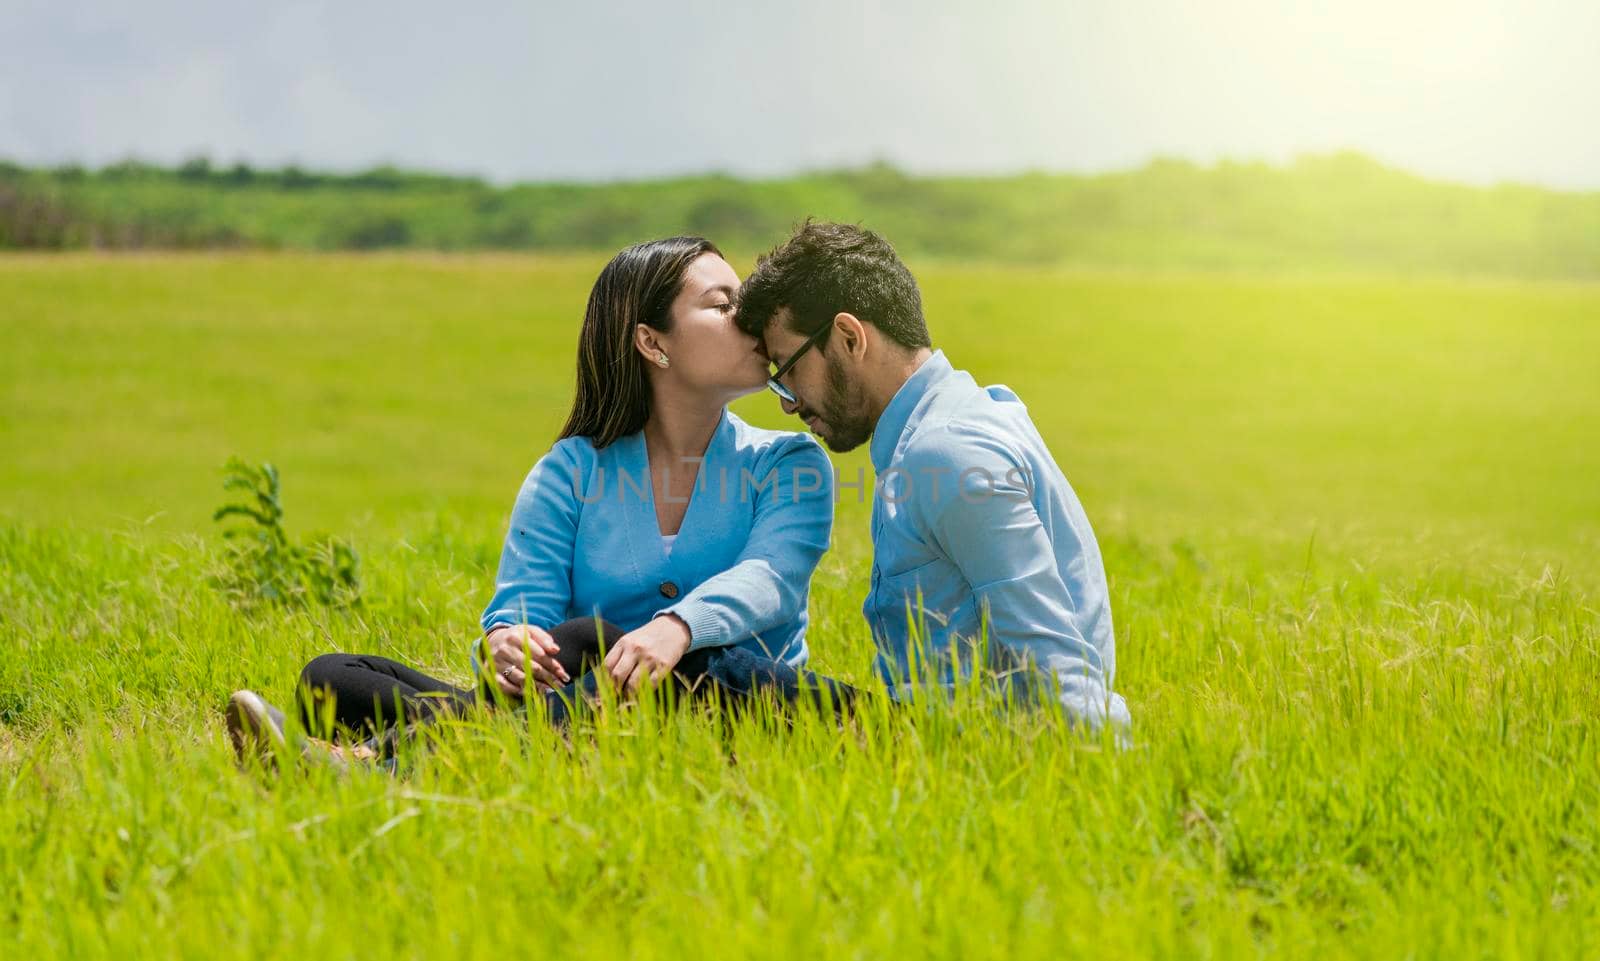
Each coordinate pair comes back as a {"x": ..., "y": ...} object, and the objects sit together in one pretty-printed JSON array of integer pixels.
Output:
[{"x": 666, "y": 542}]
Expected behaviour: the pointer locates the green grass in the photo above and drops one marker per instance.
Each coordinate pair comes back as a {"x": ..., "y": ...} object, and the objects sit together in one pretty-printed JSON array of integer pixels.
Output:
[{"x": 1351, "y": 526}]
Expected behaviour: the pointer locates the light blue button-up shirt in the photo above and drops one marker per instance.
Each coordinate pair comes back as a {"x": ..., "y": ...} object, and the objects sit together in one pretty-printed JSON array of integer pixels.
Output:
[
  {"x": 976, "y": 532},
  {"x": 584, "y": 540}
]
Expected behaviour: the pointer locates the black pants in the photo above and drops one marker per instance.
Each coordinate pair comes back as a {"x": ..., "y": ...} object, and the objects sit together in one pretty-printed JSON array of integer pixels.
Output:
[{"x": 374, "y": 697}]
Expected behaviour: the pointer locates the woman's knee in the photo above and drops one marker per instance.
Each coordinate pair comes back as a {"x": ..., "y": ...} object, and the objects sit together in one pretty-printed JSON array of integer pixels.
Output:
[
  {"x": 321, "y": 671},
  {"x": 580, "y": 642},
  {"x": 588, "y": 631}
]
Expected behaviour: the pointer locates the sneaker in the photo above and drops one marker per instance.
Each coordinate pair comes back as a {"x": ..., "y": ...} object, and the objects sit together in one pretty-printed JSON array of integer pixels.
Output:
[
  {"x": 258, "y": 731},
  {"x": 255, "y": 726}
]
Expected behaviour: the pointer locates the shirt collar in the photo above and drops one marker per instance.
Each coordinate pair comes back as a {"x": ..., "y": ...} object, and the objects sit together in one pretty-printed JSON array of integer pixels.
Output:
[{"x": 895, "y": 417}]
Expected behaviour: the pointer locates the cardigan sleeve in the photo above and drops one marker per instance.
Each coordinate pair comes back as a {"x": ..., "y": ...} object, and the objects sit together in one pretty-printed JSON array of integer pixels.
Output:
[
  {"x": 534, "y": 582},
  {"x": 767, "y": 586}
]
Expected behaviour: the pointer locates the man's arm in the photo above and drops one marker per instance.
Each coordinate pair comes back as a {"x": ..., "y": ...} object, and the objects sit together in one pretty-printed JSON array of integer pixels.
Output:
[{"x": 984, "y": 520}]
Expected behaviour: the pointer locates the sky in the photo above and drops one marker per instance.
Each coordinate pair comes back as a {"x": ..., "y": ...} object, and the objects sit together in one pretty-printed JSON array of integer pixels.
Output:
[{"x": 1472, "y": 91}]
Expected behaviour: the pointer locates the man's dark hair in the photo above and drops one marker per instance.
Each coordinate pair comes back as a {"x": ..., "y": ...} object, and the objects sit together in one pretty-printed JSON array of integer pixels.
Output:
[{"x": 828, "y": 268}]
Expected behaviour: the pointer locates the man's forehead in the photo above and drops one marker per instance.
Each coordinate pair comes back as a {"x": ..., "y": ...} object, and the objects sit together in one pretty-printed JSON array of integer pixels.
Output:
[{"x": 780, "y": 328}]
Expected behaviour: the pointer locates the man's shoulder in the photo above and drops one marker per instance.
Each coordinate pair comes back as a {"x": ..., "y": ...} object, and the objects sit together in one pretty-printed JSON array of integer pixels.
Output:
[
  {"x": 981, "y": 438},
  {"x": 960, "y": 437}
]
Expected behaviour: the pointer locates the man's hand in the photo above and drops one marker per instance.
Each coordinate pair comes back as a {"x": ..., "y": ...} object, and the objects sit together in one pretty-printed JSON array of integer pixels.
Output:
[
  {"x": 648, "y": 653},
  {"x": 513, "y": 646}
]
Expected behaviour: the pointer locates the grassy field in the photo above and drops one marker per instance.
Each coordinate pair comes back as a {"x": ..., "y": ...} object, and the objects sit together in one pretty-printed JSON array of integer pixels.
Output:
[{"x": 1352, "y": 527}]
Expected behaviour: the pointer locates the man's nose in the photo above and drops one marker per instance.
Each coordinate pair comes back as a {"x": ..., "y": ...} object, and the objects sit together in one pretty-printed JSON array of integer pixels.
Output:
[{"x": 788, "y": 406}]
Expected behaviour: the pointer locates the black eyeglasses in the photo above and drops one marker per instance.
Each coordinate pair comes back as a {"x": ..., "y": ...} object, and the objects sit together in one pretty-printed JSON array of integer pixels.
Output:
[{"x": 784, "y": 393}]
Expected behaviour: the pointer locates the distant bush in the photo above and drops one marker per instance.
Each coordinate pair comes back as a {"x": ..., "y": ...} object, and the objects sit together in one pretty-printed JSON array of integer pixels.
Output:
[
  {"x": 37, "y": 219},
  {"x": 368, "y": 233}
]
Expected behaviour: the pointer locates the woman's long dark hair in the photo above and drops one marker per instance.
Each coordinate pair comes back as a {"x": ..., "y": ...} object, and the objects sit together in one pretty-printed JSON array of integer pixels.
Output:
[{"x": 637, "y": 287}]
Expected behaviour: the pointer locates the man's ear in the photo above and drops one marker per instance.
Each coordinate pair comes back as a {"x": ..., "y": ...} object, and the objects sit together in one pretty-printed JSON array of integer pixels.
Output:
[{"x": 851, "y": 334}]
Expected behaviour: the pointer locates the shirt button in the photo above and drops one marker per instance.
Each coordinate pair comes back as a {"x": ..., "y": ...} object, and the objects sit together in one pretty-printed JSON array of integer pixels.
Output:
[{"x": 669, "y": 590}]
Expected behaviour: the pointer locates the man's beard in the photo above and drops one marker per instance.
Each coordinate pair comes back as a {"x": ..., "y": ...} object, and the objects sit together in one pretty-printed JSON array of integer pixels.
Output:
[{"x": 843, "y": 421}]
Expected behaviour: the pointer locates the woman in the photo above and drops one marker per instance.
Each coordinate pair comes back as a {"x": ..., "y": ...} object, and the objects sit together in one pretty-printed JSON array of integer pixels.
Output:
[{"x": 659, "y": 526}]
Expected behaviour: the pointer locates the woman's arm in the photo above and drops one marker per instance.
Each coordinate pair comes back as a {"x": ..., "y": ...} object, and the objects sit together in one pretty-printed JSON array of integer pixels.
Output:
[
  {"x": 766, "y": 586},
  {"x": 533, "y": 586}
]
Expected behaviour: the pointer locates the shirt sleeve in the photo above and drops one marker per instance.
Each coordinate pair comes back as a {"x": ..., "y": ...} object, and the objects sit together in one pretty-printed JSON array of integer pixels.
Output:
[
  {"x": 984, "y": 520},
  {"x": 766, "y": 587},
  {"x": 534, "y": 582}
]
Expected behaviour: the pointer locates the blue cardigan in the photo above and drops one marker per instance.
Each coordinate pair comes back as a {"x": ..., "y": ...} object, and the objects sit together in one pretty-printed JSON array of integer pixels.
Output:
[{"x": 583, "y": 540}]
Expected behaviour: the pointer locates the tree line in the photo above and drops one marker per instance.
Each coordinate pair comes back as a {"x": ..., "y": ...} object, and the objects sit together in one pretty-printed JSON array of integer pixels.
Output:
[{"x": 1338, "y": 211}]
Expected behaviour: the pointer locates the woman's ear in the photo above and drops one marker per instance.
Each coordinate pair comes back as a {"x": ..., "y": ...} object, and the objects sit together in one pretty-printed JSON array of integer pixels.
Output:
[{"x": 647, "y": 341}]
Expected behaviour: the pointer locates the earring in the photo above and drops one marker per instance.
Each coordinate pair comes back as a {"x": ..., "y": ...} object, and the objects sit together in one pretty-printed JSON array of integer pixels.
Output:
[{"x": 661, "y": 360}]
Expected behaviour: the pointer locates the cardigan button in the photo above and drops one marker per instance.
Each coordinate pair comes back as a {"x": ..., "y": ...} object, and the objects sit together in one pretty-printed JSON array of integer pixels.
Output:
[{"x": 669, "y": 590}]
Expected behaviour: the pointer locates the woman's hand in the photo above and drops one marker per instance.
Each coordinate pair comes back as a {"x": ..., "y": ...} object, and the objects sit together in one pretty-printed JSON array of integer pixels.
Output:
[
  {"x": 513, "y": 646},
  {"x": 648, "y": 653}
]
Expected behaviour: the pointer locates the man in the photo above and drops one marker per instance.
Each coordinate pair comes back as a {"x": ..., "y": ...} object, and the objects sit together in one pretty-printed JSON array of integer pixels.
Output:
[{"x": 976, "y": 534}]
